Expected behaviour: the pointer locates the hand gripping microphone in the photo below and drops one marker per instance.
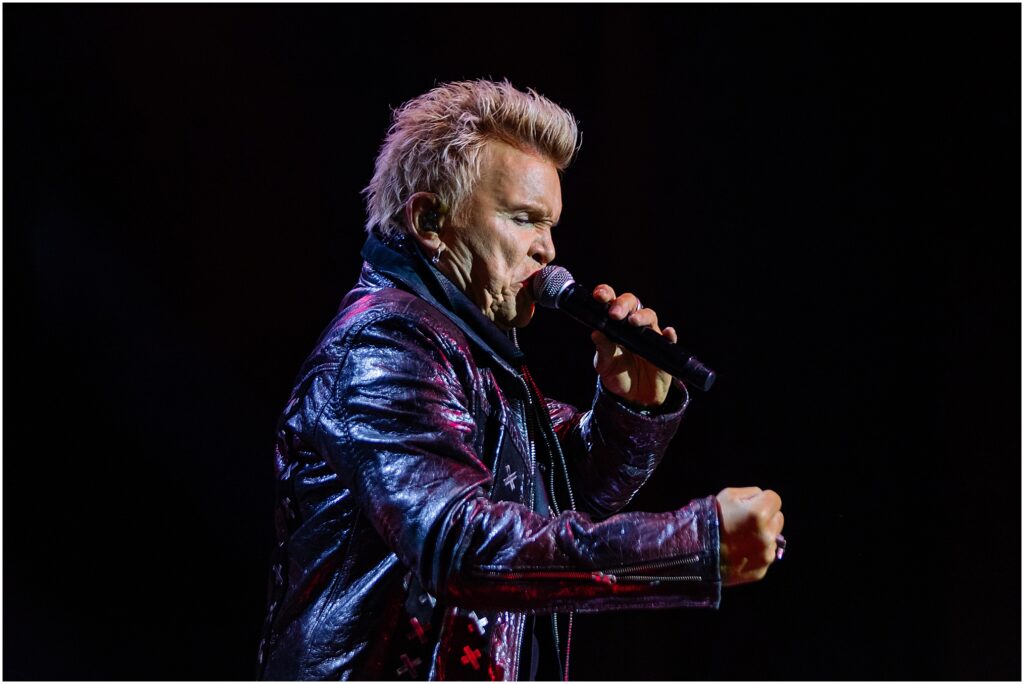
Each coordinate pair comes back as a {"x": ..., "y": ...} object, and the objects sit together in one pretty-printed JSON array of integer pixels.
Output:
[{"x": 554, "y": 288}]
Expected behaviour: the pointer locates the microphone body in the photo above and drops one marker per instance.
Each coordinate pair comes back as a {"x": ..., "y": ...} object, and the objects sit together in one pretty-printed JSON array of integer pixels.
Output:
[{"x": 554, "y": 288}]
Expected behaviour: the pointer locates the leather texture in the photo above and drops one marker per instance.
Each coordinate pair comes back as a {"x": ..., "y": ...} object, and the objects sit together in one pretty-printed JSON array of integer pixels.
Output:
[{"x": 408, "y": 546}]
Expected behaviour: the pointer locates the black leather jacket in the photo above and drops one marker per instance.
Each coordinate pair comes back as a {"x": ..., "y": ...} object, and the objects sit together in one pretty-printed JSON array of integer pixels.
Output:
[{"x": 409, "y": 546}]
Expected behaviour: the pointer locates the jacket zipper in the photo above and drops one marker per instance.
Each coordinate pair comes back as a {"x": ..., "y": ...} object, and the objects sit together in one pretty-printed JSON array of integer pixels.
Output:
[
  {"x": 533, "y": 447},
  {"x": 607, "y": 575},
  {"x": 526, "y": 419},
  {"x": 534, "y": 418},
  {"x": 632, "y": 573},
  {"x": 554, "y": 448},
  {"x": 657, "y": 565}
]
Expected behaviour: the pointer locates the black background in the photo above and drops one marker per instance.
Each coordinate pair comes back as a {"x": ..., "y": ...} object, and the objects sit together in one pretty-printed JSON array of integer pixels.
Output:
[{"x": 825, "y": 200}]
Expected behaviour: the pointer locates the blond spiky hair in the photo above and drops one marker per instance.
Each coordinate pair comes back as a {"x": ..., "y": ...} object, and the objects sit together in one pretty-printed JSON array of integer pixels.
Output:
[{"x": 435, "y": 139}]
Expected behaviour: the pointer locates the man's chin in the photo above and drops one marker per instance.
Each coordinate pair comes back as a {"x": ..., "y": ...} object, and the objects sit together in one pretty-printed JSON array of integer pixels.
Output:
[
  {"x": 524, "y": 315},
  {"x": 520, "y": 319}
]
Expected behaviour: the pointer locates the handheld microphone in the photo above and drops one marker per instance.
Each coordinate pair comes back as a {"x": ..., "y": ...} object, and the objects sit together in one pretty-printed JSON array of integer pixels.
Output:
[{"x": 554, "y": 288}]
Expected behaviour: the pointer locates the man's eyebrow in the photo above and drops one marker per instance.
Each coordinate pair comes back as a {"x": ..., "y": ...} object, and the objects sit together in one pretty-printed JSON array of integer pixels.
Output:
[
  {"x": 533, "y": 208},
  {"x": 530, "y": 206}
]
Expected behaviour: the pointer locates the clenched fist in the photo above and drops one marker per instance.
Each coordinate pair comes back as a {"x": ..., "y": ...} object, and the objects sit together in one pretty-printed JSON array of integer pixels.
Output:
[{"x": 749, "y": 522}]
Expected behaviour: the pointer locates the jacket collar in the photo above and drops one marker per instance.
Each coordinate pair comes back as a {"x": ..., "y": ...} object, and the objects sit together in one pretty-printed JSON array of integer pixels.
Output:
[{"x": 403, "y": 262}]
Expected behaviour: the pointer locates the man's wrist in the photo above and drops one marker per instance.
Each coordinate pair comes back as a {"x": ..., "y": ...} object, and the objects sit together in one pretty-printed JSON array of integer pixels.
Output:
[
  {"x": 723, "y": 565},
  {"x": 675, "y": 399}
]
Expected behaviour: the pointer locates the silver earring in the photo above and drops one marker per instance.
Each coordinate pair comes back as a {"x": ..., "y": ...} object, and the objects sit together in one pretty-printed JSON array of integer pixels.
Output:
[{"x": 436, "y": 259}]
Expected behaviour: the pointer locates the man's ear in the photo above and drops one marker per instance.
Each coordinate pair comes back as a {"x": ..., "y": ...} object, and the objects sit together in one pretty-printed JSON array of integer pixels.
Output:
[{"x": 424, "y": 216}]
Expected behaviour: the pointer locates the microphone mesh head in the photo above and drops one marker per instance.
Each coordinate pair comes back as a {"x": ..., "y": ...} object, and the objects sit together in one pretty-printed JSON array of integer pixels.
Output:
[{"x": 549, "y": 283}]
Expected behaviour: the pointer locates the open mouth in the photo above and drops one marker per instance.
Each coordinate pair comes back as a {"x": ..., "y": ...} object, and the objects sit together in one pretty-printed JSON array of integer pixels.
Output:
[
  {"x": 526, "y": 289},
  {"x": 528, "y": 284}
]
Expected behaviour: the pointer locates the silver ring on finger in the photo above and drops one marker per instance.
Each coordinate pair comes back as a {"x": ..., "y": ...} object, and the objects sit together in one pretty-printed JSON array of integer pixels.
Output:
[{"x": 638, "y": 306}]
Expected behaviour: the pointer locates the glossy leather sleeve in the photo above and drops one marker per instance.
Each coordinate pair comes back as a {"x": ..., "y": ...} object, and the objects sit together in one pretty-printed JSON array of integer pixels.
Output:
[
  {"x": 613, "y": 449},
  {"x": 398, "y": 428}
]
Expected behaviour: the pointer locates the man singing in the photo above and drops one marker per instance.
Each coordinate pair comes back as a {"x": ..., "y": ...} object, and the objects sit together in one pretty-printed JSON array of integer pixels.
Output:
[{"x": 437, "y": 517}]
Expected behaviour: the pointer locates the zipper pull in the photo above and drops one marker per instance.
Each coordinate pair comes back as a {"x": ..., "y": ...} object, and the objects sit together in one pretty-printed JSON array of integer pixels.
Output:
[{"x": 603, "y": 578}]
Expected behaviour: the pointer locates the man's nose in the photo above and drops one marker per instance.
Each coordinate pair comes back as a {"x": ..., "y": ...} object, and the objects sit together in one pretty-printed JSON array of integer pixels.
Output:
[{"x": 544, "y": 249}]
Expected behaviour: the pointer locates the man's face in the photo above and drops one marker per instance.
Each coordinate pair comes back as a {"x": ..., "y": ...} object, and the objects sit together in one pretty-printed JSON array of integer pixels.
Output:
[{"x": 504, "y": 235}]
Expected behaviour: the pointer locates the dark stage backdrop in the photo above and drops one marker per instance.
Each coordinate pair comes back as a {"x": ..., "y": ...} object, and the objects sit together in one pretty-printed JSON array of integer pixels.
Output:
[{"x": 825, "y": 200}]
